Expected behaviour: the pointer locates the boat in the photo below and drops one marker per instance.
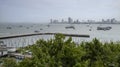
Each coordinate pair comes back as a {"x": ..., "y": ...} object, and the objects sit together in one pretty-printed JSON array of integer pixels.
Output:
[
  {"x": 70, "y": 27},
  {"x": 20, "y": 26},
  {"x": 27, "y": 27},
  {"x": 41, "y": 29},
  {"x": 90, "y": 29},
  {"x": 36, "y": 31},
  {"x": 104, "y": 28},
  {"x": 9, "y": 27},
  {"x": 48, "y": 25}
]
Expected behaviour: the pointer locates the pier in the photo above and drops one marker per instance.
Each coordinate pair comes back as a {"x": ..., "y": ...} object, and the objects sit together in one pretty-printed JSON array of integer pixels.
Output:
[
  {"x": 23, "y": 40},
  {"x": 25, "y": 35}
]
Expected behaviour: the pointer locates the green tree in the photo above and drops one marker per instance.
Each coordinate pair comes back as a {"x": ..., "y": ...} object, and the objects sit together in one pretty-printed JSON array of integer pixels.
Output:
[
  {"x": 27, "y": 62},
  {"x": 57, "y": 52},
  {"x": 9, "y": 62},
  {"x": 94, "y": 52}
]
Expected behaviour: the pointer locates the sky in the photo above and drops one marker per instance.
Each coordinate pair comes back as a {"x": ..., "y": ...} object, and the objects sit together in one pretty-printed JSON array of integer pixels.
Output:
[{"x": 40, "y": 11}]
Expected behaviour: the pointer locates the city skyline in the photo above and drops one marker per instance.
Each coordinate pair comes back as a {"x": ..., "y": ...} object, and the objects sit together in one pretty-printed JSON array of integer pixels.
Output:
[
  {"x": 71, "y": 20},
  {"x": 42, "y": 10}
]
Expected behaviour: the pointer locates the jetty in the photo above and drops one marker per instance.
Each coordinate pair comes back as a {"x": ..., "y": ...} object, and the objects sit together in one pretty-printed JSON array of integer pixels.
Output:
[{"x": 26, "y": 35}]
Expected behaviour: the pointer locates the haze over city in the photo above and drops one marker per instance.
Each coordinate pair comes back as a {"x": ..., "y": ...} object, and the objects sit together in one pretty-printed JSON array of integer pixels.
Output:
[{"x": 40, "y": 11}]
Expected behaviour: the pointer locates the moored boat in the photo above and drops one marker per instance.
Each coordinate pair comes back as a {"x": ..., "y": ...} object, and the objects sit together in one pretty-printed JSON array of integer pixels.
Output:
[
  {"x": 104, "y": 28},
  {"x": 70, "y": 27}
]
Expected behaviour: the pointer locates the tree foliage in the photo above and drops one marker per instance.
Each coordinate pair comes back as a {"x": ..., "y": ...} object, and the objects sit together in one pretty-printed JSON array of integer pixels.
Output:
[
  {"x": 9, "y": 62},
  {"x": 63, "y": 52}
]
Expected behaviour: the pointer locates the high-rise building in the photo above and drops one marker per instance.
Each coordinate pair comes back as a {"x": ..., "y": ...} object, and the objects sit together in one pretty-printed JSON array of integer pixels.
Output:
[
  {"x": 113, "y": 20},
  {"x": 55, "y": 21},
  {"x": 70, "y": 20},
  {"x": 77, "y": 21},
  {"x": 51, "y": 21},
  {"x": 103, "y": 20},
  {"x": 62, "y": 21},
  {"x": 108, "y": 21}
]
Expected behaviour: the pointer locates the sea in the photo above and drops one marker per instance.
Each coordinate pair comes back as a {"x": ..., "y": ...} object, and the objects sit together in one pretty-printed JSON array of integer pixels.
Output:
[{"x": 11, "y": 29}]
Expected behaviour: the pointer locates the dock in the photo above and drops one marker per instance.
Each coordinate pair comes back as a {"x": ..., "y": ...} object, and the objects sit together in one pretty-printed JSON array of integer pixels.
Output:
[{"x": 25, "y": 35}]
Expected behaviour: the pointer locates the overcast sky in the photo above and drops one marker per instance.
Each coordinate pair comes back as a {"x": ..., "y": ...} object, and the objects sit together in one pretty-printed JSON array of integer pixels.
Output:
[{"x": 43, "y": 10}]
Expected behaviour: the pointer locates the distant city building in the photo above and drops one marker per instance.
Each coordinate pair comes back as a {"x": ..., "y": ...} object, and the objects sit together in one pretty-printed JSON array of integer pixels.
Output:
[
  {"x": 113, "y": 20},
  {"x": 108, "y": 20},
  {"x": 62, "y": 21},
  {"x": 70, "y": 20},
  {"x": 103, "y": 20},
  {"x": 51, "y": 21},
  {"x": 77, "y": 21},
  {"x": 55, "y": 21}
]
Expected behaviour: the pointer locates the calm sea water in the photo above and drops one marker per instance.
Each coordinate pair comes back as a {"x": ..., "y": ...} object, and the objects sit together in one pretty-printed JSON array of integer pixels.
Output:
[{"x": 90, "y": 29}]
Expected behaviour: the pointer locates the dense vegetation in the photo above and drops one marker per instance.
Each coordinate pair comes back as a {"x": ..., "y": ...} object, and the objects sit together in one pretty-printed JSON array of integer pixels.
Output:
[{"x": 62, "y": 52}]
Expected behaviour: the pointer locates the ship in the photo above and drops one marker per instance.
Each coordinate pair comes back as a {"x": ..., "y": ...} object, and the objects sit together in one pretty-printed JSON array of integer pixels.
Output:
[
  {"x": 70, "y": 27},
  {"x": 104, "y": 28}
]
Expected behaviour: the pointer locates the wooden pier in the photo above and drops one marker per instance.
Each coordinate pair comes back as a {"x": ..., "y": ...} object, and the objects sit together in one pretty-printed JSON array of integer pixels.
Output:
[{"x": 25, "y": 35}]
